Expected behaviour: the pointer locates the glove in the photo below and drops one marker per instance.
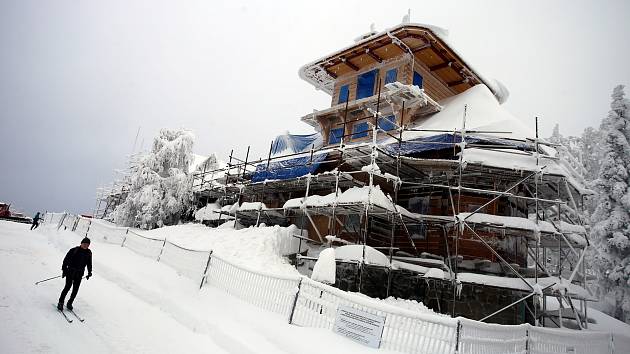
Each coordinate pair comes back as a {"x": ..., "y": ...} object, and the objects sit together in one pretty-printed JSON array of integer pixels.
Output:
[{"x": 88, "y": 276}]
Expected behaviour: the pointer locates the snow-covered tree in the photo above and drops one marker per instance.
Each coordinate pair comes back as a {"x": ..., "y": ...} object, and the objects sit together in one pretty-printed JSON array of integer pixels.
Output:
[
  {"x": 611, "y": 219},
  {"x": 160, "y": 185}
]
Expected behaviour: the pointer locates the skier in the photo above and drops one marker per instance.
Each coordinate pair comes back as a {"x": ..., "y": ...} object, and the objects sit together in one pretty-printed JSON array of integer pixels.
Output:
[
  {"x": 73, "y": 268},
  {"x": 35, "y": 221}
]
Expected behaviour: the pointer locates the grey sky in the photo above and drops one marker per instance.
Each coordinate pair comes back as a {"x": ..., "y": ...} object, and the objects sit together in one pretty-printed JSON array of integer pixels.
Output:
[{"x": 77, "y": 79}]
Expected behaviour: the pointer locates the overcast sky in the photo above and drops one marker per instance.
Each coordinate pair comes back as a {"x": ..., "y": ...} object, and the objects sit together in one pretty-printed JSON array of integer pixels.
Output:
[{"x": 78, "y": 78}]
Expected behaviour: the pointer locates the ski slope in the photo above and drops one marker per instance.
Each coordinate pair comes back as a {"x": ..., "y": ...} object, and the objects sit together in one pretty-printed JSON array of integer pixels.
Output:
[{"x": 132, "y": 304}]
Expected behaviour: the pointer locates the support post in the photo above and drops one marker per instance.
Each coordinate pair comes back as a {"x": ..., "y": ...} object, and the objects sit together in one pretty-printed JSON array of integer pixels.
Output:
[
  {"x": 162, "y": 250},
  {"x": 205, "y": 271},
  {"x": 297, "y": 294}
]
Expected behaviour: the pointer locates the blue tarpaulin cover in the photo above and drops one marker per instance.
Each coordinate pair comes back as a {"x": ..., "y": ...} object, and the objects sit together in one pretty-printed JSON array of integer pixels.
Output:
[
  {"x": 287, "y": 169},
  {"x": 289, "y": 143},
  {"x": 446, "y": 141}
]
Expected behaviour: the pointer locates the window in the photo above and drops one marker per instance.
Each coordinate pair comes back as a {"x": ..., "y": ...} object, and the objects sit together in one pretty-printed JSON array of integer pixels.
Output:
[
  {"x": 360, "y": 130},
  {"x": 387, "y": 123},
  {"x": 335, "y": 135},
  {"x": 344, "y": 93},
  {"x": 419, "y": 205},
  {"x": 418, "y": 232},
  {"x": 365, "y": 84},
  {"x": 417, "y": 79},
  {"x": 390, "y": 76}
]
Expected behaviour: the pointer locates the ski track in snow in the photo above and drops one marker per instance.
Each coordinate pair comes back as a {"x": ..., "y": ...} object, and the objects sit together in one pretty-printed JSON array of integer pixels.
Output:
[{"x": 133, "y": 304}]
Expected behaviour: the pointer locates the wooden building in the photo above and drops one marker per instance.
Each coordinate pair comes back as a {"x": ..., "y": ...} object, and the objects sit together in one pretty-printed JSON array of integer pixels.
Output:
[{"x": 416, "y": 157}]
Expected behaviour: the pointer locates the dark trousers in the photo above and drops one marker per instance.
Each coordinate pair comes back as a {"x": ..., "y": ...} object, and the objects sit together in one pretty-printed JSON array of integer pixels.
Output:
[
  {"x": 70, "y": 282},
  {"x": 35, "y": 225}
]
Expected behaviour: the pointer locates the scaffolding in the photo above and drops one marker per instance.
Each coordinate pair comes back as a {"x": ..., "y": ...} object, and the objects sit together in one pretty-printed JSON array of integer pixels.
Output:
[{"x": 547, "y": 197}]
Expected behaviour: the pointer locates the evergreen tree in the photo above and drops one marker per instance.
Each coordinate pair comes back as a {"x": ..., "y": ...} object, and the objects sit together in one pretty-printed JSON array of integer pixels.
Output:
[
  {"x": 611, "y": 219},
  {"x": 160, "y": 185}
]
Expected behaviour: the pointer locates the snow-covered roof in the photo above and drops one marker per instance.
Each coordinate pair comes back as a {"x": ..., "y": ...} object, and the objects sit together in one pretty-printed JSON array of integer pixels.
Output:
[
  {"x": 483, "y": 113},
  {"x": 315, "y": 74}
]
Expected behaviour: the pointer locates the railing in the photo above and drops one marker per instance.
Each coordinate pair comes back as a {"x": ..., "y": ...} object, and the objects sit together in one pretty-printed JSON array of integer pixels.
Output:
[
  {"x": 308, "y": 303},
  {"x": 146, "y": 246},
  {"x": 105, "y": 233},
  {"x": 270, "y": 292},
  {"x": 548, "y": 340},
  {"x": 404, "y": 330},
  {"x": 486, "y": 338},
  {"x": 187, "y": 262},
  {"x": 82, "y": 226}
]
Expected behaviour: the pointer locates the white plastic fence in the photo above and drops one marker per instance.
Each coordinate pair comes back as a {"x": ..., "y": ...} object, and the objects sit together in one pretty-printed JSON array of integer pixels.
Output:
[
  {"x": 486, "y": 338},
  {"x": 311, "y": 304},
  {"x": 146, "y": 246},
  {"x": 106, "y": 233},
  {"x": 68, "y": 221},
  {"x": 270, "y": 292},
  {"x": 82, "y": 226},
  {"x": 620, "y": 344},
  {"x": 187, "y": 262},
  {"x": 54, "y": 218},
  {"x": 404, "y": 330},
  {"x": 548, "y": 340}
]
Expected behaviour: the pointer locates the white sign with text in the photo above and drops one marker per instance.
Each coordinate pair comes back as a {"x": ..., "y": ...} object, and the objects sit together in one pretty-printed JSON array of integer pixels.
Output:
[{"x": 360, "y": 326}]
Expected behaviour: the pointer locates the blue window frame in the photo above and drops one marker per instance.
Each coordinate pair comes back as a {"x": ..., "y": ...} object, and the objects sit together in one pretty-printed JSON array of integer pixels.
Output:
[
  {"x": 390, "y": 76},
  {"x": 344, "y": 93},
  {"x": 365, "y": 84},
  {"x": 387, "y": 123},
  {"x": 335, "y": 135},
  {"x": 417, "y": 79},
  {"x": 360, "y": 130}
]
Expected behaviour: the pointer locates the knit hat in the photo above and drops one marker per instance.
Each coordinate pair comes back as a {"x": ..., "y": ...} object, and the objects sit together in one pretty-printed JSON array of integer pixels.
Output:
[{"x": 85, "y": 240}]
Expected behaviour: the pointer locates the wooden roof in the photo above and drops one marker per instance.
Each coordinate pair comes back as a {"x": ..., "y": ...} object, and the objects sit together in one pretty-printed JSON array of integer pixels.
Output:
[{"x": 425, "y": 42}]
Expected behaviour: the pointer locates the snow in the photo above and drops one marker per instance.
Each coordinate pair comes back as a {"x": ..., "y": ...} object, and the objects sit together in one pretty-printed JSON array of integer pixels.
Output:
[
  {"x": 133, "y": 304},
  {"x": 355, "y": 253},
  {"x": 435, "y": 273},
  {"x": 252, "y": 206},
  {"x": 210, "y": 212},
  {"x": 325, "y": 267},
  {"x": 508, "y": 221},
  {"x": 483, "y": 113},
  {"x": 254, "y": 247}
]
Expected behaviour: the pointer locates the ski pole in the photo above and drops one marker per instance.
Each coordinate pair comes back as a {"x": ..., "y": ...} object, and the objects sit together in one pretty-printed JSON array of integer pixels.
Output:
[{"x": 41, "y": 281}]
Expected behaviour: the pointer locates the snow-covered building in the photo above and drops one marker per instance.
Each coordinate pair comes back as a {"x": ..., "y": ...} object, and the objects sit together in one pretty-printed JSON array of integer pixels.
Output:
[{"x": 417, "y": 158}]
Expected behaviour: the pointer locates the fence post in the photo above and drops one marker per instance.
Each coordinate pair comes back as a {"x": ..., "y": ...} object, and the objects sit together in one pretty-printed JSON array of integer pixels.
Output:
[
  {"x": 297, "y": 294},
  {"x": 88, "y": 228},
  {"x": 205, "y": 271},
  {"x": 61, "y": 221},
  {"x": 162, "y": 250},
  {"x": 74, "y": 225},
  {"x": 124, "y": 238},
  {"x": 612, "y": 343},
  {"x": 457, "y": 335},
  {"x": 527, "y": 343}
]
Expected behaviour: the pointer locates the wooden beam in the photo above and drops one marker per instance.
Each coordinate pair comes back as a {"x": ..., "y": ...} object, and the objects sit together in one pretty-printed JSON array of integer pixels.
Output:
[
  {"x": 444, "y": 65},
  {"x": 455, "y": 83},
  {"x": 349, "y": 64},
  {"x": 422, "y": 47},
  {"x": 373, "y": 55},
  {"x": 334, "y": 76}
]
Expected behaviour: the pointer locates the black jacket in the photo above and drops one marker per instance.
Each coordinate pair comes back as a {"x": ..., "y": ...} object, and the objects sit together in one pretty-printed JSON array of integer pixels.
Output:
[{"x": 75, "y": 262}]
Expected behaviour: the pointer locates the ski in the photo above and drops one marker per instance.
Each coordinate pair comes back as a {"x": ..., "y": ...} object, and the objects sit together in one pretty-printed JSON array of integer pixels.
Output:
[
  {"x": 62, "y": 313},
  {"x": 77, "y": 316}
]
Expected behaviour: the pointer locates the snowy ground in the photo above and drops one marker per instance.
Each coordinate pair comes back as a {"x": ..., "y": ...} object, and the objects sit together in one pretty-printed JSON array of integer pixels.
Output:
[{"x": 132, "y": 305}]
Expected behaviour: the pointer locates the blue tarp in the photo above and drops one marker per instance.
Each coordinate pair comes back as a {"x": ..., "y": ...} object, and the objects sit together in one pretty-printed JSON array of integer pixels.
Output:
[
  {"x": 287, "y": 169},
  {"x": 446, "y": 141},
  {"x": 289, "y": 144}
]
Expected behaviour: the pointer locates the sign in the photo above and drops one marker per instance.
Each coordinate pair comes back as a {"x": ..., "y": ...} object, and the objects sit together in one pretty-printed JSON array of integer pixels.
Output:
[{"x": 360, "y": 326}]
